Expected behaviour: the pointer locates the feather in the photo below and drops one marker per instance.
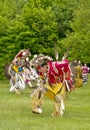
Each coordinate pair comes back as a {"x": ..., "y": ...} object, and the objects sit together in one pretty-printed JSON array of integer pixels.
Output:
[
  {"x": 56, "y": 51},
  {"x": 66, "y": 53},
  {"x": 7, "y": 70}
]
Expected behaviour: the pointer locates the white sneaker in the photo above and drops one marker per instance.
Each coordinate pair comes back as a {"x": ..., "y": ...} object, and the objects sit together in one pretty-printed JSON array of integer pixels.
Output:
[
  {"x": 40, "y": 110},
  {"x": 37, "y": 110}
]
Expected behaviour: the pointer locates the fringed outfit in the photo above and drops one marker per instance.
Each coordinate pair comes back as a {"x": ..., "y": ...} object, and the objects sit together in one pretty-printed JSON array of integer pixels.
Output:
[
  {"x": 78, "y": 79},
  {"x": 85, "y": 71},
  {"x": 56, "y": 87}
]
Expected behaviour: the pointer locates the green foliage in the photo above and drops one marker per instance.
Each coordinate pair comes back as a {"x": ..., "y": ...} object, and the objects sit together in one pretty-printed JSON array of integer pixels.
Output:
[
  {"x": 64, "y": 14},
  {"x": 42, "y": 25},
  {"x": 38, "y": 24},
  {"x": 79, "y": 40}
]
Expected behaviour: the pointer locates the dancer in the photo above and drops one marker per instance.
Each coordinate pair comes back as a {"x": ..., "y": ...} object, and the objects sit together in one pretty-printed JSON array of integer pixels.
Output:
[
  {"x": 53, "y": 76},
  {"x": 17, "y": 82},
  {"x": 85, "y": 71},
  {"x": 78, "y": 78}
]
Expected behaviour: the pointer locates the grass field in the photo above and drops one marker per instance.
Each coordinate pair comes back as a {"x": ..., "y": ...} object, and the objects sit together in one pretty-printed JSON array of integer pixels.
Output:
[{"x": 15, "y": 111}]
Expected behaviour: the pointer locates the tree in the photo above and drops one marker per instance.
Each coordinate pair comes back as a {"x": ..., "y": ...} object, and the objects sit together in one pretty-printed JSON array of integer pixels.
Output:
[{"x": 79, "y": 39}]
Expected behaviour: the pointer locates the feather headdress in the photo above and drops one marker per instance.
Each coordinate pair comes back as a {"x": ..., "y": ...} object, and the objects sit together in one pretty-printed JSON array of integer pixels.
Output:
[{"x": 40, "y": 59}]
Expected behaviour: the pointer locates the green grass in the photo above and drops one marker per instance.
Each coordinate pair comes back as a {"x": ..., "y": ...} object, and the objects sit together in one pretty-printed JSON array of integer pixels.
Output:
[{"x": 15, "y": 111}]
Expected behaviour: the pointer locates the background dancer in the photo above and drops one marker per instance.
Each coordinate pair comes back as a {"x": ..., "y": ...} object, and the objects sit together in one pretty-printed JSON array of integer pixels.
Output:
[{"x": 85, "y": 71}]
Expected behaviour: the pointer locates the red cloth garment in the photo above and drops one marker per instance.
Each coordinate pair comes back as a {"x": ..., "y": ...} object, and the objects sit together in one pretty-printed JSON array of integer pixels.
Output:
[{"x": 57, "y": 70}]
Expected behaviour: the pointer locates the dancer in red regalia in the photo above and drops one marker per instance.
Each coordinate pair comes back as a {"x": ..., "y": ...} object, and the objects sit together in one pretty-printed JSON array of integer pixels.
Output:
[{"x": 55, "y": 76}]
